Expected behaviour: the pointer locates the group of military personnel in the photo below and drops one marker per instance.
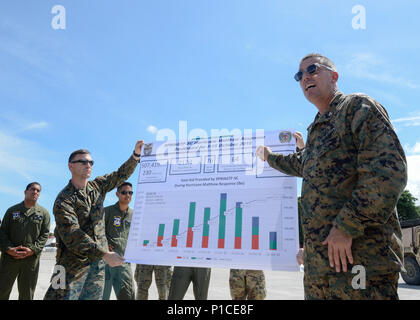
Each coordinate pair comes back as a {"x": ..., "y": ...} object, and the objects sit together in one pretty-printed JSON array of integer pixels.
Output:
[
  {"x": 25, "y": 230},
  {"x": 353, "y": 168},
  {"x": 86, "y": 235}
]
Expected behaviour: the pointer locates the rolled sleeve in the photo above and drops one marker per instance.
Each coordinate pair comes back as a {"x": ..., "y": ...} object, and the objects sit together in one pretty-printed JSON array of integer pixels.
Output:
[
  {"x": 114, "y": 179},
  {"x": 290, "y": 164}
]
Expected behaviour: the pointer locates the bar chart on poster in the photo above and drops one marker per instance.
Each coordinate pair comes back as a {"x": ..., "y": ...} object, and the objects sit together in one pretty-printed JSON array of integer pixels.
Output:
[{"x": 212, "y": 203}]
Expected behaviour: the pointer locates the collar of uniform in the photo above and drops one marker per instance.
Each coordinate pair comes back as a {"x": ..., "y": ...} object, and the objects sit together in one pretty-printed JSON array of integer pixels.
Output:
[
  {"x": 73, "y": 189},
  {"x": 332, "y": 109},
  {"x": 89, "y": 188},
  {"x": 117, "y": 206},
  {"x": 29, "y": 211}
]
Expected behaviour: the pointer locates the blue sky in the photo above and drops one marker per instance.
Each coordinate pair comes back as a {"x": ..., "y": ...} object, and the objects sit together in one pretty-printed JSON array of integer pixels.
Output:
[{"x": 122, "y": 70}]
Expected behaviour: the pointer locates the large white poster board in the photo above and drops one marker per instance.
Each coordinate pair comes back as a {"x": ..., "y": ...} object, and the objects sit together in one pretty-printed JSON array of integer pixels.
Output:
[{"x": 212, "y": 203}]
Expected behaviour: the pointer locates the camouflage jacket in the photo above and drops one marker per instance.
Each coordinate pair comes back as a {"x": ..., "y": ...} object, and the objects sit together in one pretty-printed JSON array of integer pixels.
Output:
[
  {"x": 354, "y": 170},
  {"x": 117, "y": 226},
  {"x": 27, "y": 227},
  {"x": 79, "y": 218}
]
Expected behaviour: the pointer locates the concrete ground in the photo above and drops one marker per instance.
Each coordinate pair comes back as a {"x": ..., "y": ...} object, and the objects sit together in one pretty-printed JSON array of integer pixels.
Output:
[{"x": 281, "y": 285}]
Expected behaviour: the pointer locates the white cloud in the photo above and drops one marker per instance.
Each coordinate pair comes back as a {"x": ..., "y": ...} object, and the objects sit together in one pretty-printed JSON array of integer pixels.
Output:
[
  {"x": 24, "y": 157},
  {"x": 35, "y": 126},
  {"x": 152, "y": 129},
  {"x": 413, "y": 172},
  {"x": 8, "y": 190},
  {"x": 413, "y": 184},
  {"x": 17, "y": 123},
  {"x": 372, "y": 67},
  {"x": 23, "y": 160},
  {"x": 39, "y": 52},
  {"x": 408, "y": 121},
  {"x": 413, "y": 150}
]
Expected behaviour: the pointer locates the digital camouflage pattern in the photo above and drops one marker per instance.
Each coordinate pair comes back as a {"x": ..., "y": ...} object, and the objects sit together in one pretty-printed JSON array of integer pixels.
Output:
[
  {"x": 117, "y": 226},
  {"x": 80, "y": 229},
  {"x": 247, "y": 284},
  {"x": 89, "y": 286},
  {"x": 340, "y": 287},
  {"x": 354, "y": 170},
  {"x": 143, "y": 276},
  {"x": 28, "y": 227}
]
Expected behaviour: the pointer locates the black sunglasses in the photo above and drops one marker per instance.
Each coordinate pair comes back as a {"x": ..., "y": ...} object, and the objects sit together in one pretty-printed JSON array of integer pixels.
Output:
[
  {"x": 311, "y": 69},
  {"x": 84, "y": 162},
  {"x": 126, "y": 192}
]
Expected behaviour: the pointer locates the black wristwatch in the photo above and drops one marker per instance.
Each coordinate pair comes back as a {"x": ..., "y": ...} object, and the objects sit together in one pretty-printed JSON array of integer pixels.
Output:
[{"x": 136, "y": 154}]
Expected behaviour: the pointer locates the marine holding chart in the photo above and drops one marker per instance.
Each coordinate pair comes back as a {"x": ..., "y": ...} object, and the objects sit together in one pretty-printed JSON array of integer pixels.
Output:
[{"x": 212, "y": 203}]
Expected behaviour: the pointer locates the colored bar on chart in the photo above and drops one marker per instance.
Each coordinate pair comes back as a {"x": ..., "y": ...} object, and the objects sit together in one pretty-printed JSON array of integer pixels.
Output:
[
  {"x": 206, "y": 228},
  {"x": 160, "y": 235},
  {"x": 145, "y": 243},
  {"x": 238, "y": 226},
  {"x": 175, "y": 232},
  {"x": 222, "y": 221},
  {"x": 255, "y": 232},
  {"x": 191, "y": 218},
  {"x": 273, "y": 240}
]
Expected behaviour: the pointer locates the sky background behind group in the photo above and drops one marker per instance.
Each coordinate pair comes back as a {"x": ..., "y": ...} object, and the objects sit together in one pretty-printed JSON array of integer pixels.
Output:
[{"x": 122, "y": 70}]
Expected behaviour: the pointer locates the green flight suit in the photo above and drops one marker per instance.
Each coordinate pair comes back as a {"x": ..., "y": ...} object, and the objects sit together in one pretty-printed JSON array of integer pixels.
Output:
[
  {"x": 22, "y": 227},
  {"x": 183, "y": 276},
  {"x": 354, "y": 170},
  {"x": 80, "y": 233},
  {"x": 117, "y": 226}
]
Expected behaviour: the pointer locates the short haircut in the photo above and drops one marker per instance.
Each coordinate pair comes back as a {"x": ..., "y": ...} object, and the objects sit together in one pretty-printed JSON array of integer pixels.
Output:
[
  {"x": 322, "y": 59},
  {"x": 123, "y": 185},
  {"x": 75, "y": 153},
  {"x": 31, "y": 184}
]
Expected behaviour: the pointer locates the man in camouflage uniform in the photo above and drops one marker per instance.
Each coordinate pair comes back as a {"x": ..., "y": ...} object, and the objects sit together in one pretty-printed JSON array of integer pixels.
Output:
[
  {"x": 354, "y": 170},
  {"x": 117, "y": 225},
  {"x": 23, "y": 235},
  {"x": 82, "y": 247},
  {"x": 143, "y": 276},
  {"x": 247, "y": 284}
]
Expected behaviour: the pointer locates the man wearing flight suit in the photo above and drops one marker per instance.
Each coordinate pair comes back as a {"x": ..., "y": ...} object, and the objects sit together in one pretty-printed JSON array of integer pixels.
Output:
[
  {"x": 117, "y": 225},
  {"x": 23, "y": 235},
  {"x": 143, "y": 276},
  {"x": 354, "y": 170},
  {"x": 247, "y": 284},
  {"x": 82, "y": 247},
  {"x": 183, "y": 276}
]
